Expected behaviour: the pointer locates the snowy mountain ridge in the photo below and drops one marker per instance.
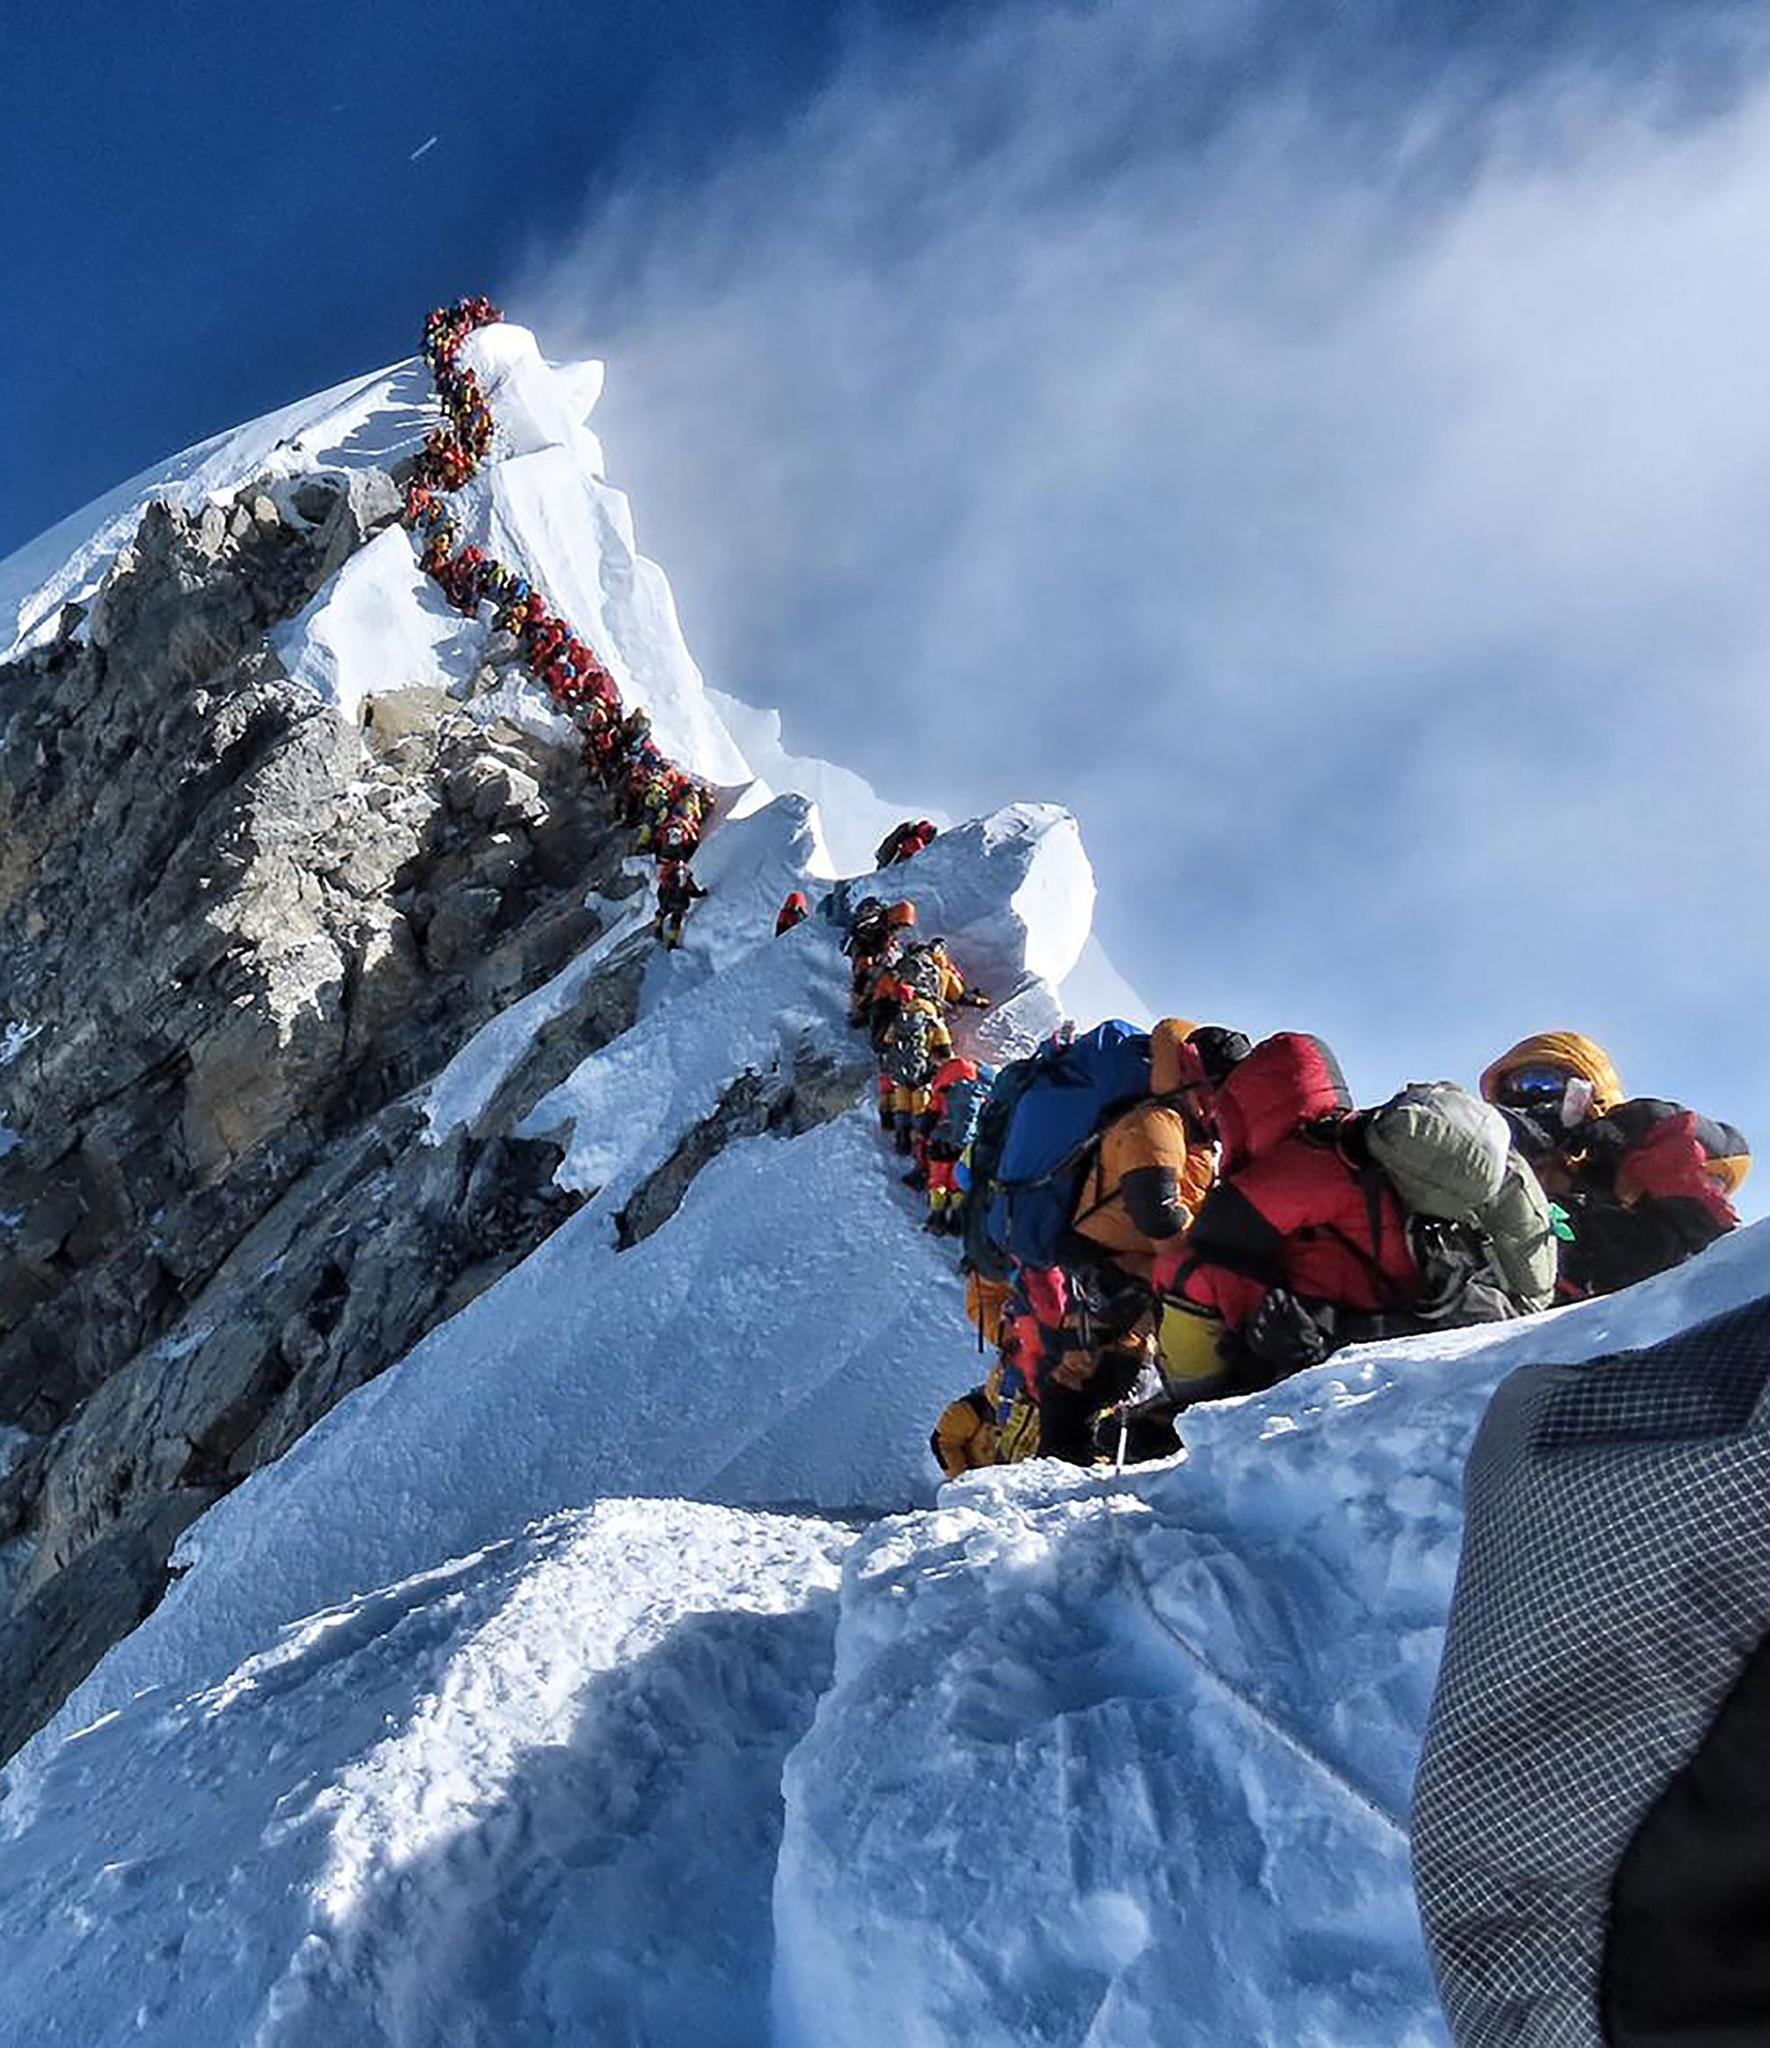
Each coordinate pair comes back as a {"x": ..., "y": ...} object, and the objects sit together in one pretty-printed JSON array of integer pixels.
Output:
[{"x": 608, "y": 1668}]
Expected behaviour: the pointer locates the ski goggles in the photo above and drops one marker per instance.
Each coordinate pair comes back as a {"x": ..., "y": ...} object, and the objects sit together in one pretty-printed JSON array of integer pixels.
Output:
[
  {"x": 1532, "y": 1087},
  {"x": 1545, "y": 1088}
]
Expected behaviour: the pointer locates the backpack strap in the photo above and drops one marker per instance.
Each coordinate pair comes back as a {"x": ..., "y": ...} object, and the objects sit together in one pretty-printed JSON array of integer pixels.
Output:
[
  {"x": 1370, "y": 1185},
  {"x": 1171, "y": 1098},
  {"x": 1008, "y": 1189},
  {"x": 1390, "y": 1290},
  {"x": 1070, "y": 1160},
  {"x": 1105, "y": 1199}
]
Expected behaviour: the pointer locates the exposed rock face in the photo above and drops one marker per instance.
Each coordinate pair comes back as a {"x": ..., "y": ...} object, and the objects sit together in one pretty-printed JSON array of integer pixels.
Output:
[
  {"x": 789, "y": 1102},
  {"x": 239, "y": 935}
]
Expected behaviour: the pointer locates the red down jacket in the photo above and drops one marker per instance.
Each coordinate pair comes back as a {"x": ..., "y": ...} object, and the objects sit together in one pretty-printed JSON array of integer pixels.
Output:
[
  {"x": 1651, "y": 1187},
  {"x": 792, "y": 912},
  {"x": 1291, "y": 1210}
]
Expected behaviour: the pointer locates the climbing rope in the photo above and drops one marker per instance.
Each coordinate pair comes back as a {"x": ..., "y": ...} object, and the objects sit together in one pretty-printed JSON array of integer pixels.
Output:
[
  {"x": 1253, "y": 1708},
  {"x": 669, "y": 806}
]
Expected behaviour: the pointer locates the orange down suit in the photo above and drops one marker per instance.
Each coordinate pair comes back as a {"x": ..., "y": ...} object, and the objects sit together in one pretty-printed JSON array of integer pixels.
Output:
[
  {"x": 1155, "y": 1162},
  {"x": 964, "y": 1439}
]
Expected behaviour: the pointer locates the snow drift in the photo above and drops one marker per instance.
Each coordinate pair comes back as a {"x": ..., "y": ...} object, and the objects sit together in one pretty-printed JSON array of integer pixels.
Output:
[
  {"x": 457, "y": 1809},
  {"x": 1130, "y": 1760},
  {"x": 1065, "y": 1759}
]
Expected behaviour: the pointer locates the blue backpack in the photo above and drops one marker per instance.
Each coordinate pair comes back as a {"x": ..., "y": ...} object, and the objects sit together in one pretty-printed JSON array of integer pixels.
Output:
[
  {"x": 964, "y": 1109},
  {"x": 1024, "y": 1190}
]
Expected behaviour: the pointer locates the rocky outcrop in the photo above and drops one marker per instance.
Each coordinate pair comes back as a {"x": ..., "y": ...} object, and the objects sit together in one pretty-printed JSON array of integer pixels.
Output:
[
  {"x": 787, "y": 1101},
  {"x": 236, "y": 934},
  {"x": 58, "y": 1633}
]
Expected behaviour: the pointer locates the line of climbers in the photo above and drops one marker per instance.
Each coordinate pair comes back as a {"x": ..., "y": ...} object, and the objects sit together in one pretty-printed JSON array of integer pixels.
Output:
[
  {"x": 1153, "y": 1219},
  {"x": 668, "y": 807},
  {"x": 903, "y": 989}
]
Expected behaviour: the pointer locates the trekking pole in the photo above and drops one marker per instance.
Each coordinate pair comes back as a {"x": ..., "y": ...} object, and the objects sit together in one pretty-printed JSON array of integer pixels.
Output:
[{"x": 1118, "y": 1463}]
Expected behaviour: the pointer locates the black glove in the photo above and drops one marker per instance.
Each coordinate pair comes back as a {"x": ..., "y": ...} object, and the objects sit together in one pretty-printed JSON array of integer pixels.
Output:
[
  {"x": 1289, "y": 1334},
  {"x": 1601, "y": 1142}
]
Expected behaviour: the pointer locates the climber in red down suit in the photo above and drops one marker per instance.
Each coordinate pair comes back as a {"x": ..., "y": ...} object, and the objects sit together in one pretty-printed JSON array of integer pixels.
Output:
[
  {"x": 793, "y": 913},
  {"x": 1293, "y": 1231}
]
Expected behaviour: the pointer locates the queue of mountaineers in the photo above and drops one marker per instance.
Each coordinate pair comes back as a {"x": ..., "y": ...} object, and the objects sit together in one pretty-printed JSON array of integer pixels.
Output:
[
  {"x": 667, "y": 808},
  {"x": 1147, "y": 1219},
  {"x": 1150, "y": 1219},
  {"x": 1180, "y": 1215}
]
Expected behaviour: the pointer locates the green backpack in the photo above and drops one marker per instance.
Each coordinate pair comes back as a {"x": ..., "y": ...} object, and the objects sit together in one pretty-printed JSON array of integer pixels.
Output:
[
  {"x": 909, "y": 1058},
  {"x": 1449, "y": 1157}
]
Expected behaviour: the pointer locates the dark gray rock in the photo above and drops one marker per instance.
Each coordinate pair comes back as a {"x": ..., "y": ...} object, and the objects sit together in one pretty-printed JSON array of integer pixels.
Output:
[
  {"x": 459, "y": 921},
  {"x": 786, "y": 1102},
  {"x": 54, "y": 1637},
  {"x": 246, "y": 934}
]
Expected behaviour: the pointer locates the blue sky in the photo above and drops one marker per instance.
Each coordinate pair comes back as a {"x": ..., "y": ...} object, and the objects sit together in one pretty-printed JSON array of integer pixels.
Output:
[
  {"x": 1321, "y": 444},
  {"x": 211, "y": 207}
]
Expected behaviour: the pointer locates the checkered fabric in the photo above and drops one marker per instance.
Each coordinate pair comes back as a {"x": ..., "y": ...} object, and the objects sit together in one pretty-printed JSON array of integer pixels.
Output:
[{"x": 1615, "y": 1578}]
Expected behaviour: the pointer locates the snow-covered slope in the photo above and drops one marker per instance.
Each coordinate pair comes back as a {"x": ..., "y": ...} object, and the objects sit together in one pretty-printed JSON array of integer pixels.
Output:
[
  {"x": 785, "y": 1337},
  {"x": 369, "y": 422},
  {"x": 456, "y": 1810},
  {"x": 381, "y": 624},
  {"x": 542, "y": 505},
  {"x": 1130, "y": 1760},
  {"x": 856, "y": 819},
  {"x": 1120, "y": 1762}
]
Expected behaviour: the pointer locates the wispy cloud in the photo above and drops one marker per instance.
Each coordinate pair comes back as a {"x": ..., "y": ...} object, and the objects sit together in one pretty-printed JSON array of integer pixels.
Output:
[{"x": 1354, "y": 505}]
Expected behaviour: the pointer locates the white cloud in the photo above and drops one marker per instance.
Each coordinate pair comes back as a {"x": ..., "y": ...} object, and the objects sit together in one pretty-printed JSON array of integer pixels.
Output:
[{"x": 1362, "y": 523}]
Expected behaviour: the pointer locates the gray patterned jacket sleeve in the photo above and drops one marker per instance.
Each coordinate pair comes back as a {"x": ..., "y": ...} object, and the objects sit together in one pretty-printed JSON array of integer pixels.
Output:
[{"x": 1615, "y": 1578}]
